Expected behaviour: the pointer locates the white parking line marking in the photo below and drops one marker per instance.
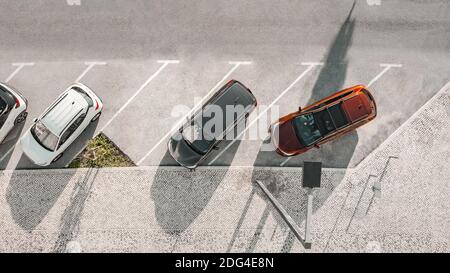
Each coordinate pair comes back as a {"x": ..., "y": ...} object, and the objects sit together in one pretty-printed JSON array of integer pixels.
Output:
[
  {"x": 311, "y": 63},
  {"x": 240, "y": 62},
  {"x": 19, "y": 67},
  {"x": 168, "y": 61},
  {"x": 73, "y": 2},
  {"x": 386, "y": 68},
  {"x": 285, "y": 161},
  {"x": 373, "y": 2},
  {"x": 164, "y": 63},
  {"x": 377, "y": 77},
  {"x": 90, "y": 66},
  {"x": 235, "y": 64},
  {"x": 8, "y": 152},
  {"x": 310, "y": 67}
]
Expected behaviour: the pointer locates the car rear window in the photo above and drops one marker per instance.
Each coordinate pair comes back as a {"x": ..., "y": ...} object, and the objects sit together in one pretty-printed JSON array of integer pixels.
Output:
[{"x": 85, "y": 96}]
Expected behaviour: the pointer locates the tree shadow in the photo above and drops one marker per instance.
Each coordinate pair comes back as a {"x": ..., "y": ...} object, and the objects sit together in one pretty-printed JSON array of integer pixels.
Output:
[
  {"x": 33, "y": 193},
  {"x": 285, "y": 185},
  {"x": 8, "y": 143},
  {"x": 180, "y": 195}
]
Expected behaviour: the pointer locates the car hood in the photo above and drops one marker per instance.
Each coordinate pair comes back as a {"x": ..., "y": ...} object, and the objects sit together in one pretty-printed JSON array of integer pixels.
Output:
[
  {"x": 182, "y": 153},
  {"x": 284, "y": 137},
  {"x": 35, "y": 151}
]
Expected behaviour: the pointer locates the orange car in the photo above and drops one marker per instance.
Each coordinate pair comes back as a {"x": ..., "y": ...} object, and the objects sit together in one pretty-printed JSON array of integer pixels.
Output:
[{"x": 323, "y": 121}]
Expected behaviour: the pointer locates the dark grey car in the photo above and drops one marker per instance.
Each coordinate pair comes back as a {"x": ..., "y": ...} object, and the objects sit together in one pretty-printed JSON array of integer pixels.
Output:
[{"x": 226, "y": 109}]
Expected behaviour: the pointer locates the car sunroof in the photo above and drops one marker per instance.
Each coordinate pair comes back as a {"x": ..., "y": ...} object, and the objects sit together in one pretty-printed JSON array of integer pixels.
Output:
[{"x": 338, "y": 115}]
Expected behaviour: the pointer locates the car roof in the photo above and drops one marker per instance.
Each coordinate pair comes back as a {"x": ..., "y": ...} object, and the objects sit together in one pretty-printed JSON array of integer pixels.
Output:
[
  {"x": 355, "y": 108},
  {"x": 235, "y": 94},
  {"x": 64, "y": 111},
  {"x": 330, "y": 119}
]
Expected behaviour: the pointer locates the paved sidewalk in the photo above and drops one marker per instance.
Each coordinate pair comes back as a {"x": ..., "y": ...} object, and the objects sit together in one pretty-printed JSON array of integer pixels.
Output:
[{"x": 218, "y": 209}]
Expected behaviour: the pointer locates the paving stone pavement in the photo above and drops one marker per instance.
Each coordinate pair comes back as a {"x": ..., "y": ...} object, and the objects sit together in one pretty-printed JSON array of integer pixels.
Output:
[{"x": 219, "y": 209}]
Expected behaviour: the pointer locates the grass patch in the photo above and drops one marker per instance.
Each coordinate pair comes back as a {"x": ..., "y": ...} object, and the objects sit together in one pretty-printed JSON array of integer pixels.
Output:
[{"x": 101, "y": 152}]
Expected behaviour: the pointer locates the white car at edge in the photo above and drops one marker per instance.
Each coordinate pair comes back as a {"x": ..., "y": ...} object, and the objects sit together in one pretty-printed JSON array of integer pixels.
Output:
[
  {"x": 13, "y": 109},
  {"x": 60, "y": 124}
]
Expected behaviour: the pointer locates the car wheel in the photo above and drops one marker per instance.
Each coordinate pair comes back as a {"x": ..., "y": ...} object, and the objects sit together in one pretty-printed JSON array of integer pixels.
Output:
[
  {"x": 21, "y": 117},
  {"x": 57, "y": 158},
  {"x": 96, "y": 116}
]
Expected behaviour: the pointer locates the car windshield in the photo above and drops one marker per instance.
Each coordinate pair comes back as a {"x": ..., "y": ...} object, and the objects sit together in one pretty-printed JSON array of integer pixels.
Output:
[
  {"x": 306, "y": 129},
  {"x": 197, "y": 139},
  {"x": 44, "y": 137}
]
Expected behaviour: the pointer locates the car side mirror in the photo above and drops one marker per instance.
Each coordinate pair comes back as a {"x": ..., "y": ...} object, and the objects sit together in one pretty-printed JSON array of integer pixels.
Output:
[
  {"x": 317, "y": 146},
  {"x": 216, "y": 147},
  {"x": 35, "y": 120},
  {"x": 299, "y": 108}
]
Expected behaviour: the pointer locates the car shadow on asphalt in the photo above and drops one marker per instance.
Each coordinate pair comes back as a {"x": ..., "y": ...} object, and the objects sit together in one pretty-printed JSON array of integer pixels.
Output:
[
  {"x": 8, "y": 143},
  {"x": 180, "y": 195},
  {"x": 286, "y": 186},
  {"x": 31, "y": 194}
]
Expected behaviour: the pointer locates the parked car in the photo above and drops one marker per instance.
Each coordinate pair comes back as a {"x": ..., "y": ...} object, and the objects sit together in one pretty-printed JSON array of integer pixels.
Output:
[
  {"x": 323, "y": 121},
  {"x": 13, "y": 109},
  {"x": 193, "y": 142},
  {"x": 61, "y": 123}
]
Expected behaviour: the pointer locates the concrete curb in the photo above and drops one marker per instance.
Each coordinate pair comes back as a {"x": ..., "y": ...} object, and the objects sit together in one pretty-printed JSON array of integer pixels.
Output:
[{"x": 167, "y": 168}]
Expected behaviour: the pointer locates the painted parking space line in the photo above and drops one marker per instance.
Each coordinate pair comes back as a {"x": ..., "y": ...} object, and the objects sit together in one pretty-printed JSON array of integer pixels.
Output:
[
  {"x": 285, "y": 161},
  {"x": 310, "y": 66},
  {"x": 375, "y": 79},
  {"x": 235, "y": 64},
  {"x": 17, "y": 70},
  {"x": 386, "y": 68},
  {"x": 73, "y": 2},
  {"x": 373, "y": 2},
  {"x": 8, "y": 152},
  {"x": 90, "y": 65},
  {"x": 164, "y": 64}
]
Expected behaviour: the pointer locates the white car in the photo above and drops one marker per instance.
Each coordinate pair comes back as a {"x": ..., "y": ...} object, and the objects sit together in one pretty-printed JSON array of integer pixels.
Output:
[
  {"x": 13, "y": 109},
  {"x": 60, "y": 124}
]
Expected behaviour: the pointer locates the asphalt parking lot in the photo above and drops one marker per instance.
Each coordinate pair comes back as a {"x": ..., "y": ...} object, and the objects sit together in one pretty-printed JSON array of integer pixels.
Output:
[
  {"x": 383, "y": 185},
  {"x": 145, "y": 65}
]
